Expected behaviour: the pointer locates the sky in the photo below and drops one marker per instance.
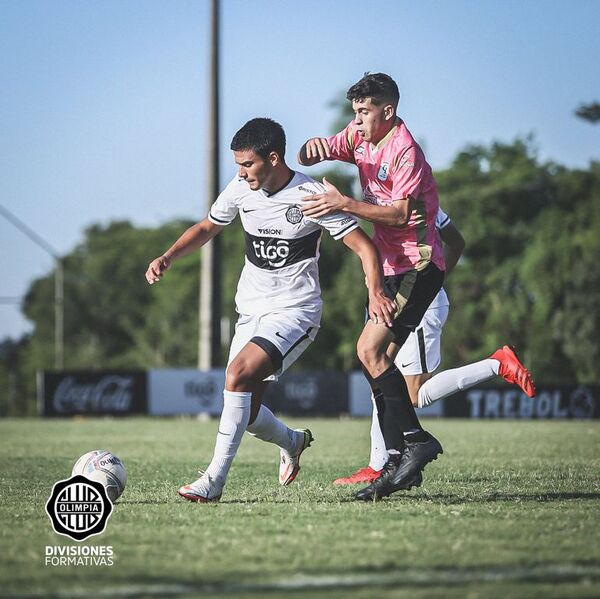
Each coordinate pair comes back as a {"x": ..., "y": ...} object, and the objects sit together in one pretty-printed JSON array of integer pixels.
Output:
[{"x": 104, "y": 113}]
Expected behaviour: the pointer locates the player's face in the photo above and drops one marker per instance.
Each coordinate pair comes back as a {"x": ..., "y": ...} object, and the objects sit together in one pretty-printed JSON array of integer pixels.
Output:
[
  {"x": 372, "y": 122},
  {"x": 253, "y": 168}
]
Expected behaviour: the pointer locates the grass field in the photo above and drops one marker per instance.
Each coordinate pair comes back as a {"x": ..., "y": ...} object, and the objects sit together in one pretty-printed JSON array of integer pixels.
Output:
[{"x": 510, "y": 510}]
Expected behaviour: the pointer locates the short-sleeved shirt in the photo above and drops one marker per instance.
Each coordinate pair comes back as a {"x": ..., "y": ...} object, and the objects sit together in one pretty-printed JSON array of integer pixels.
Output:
[
  {"x": 396, "y": 169},
  {"x": 282, "y": 245}
]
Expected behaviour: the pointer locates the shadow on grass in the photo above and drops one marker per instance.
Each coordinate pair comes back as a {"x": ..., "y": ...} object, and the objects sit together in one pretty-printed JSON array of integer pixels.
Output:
[
  {"x": 313, "y": 584},
  {"x": 441, "y": 498},
  {"x": 144, "y": 502},
  {"x": 540, "y": 497}
]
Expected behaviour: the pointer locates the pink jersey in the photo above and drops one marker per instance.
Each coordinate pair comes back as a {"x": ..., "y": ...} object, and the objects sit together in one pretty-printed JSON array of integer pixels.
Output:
[{"x": 396, "y": 169}]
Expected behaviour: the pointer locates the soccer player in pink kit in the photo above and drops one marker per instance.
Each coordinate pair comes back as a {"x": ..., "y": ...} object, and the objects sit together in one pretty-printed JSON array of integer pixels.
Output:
[{"x": 400, "y": 197}]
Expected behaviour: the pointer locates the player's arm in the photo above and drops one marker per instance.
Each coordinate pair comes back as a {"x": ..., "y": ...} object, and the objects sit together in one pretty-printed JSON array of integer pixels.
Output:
[
  {"x": 315, "y": 150},
  {"x": 381, "y": 308},
  {"x": 332, "y": 200},
  {"x": 337, "y": 147},
  {"x": 454, "y": 245},
  {"x": 193, "y": 238}
]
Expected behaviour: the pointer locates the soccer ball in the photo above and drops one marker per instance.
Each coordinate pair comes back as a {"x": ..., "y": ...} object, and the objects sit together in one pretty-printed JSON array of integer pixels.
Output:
[{"x": 105, "y": 468}]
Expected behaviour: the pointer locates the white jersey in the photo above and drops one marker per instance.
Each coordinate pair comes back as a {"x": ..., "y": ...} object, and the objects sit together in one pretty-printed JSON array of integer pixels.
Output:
[
  {"x": 282, "y": 245},
  {"x": 441, "y": 299}
]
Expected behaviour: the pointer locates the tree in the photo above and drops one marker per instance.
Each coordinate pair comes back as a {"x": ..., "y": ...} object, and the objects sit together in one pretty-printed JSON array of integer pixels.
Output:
[
  {"x": 529, "y": 274},
  {"x": 589, "y": 112}
]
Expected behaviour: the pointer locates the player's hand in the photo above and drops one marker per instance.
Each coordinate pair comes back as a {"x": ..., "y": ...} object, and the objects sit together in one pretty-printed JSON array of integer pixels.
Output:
[
  {"x": 317, "y": 148},
  {"x": 157, "y": 268},
  {"x": 322, "y": 204},
  {"x": 381, "y": 308}
]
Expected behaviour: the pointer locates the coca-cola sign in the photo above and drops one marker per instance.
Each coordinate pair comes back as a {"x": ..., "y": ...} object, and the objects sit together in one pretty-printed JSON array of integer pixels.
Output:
[{"x": 84, "y": 392}]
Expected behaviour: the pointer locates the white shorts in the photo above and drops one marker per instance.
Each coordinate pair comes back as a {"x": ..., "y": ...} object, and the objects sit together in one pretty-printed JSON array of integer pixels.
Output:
[
  {"x": 284, "y": 335},
  {"x": 421, "y": 351}
]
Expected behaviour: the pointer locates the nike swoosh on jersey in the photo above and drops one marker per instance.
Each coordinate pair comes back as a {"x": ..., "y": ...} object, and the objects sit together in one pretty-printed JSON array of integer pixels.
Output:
[
  {"x": 251, "y": 210},
  {"x": 278, "y": 334}
]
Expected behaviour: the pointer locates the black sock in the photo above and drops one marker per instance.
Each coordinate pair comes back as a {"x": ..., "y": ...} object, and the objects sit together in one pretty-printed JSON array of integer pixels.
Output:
[
  {"x": 380, "y": 406},
  {"x": 377, "y": 396},
  {"x": 399, "y": 415}
]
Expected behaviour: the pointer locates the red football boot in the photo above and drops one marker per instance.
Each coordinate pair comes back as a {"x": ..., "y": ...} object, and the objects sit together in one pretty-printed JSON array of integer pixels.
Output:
[
  {"x": 364, "y": 475},
  {"x": 512, "y": 371}
]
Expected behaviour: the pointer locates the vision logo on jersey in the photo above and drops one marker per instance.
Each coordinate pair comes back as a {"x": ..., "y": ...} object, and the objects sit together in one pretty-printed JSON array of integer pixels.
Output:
[
  {"x": 275, "y": 253},
  {"x": 78, "y": 507},
  {"x": 270, "y": 231},
  {"x": 383, "y": 171}
]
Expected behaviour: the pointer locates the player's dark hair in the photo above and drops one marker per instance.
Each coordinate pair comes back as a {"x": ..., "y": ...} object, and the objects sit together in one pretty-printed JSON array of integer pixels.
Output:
[
  {"x": 261, "y": 135},
  {"x": 377, "y": 86}
]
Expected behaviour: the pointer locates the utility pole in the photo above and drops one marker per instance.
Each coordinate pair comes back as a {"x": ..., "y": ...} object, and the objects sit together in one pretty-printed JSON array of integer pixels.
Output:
[
  {"x": 209, "y": 341},
  {"x": 59, "y": 285}
]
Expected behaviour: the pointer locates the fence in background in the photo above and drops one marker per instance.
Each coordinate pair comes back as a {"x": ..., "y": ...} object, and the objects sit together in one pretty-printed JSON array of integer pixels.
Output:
[{"x": 309, "y": 393}]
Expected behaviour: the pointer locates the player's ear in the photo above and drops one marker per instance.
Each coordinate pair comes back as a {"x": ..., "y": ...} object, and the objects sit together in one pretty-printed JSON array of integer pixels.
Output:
[
  {"x": 274, "y": 158},
  {"x": 389, "y": 112}
]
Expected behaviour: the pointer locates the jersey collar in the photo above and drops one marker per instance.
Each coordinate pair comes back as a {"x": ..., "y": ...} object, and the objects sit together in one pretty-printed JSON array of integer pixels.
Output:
[
  {"x": 389, "y": 134},
  {"x": 270, "y": 194}
]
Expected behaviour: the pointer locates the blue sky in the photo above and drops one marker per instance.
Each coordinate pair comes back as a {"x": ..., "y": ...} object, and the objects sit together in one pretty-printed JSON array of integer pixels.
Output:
[{"x": 103, "y": 110}]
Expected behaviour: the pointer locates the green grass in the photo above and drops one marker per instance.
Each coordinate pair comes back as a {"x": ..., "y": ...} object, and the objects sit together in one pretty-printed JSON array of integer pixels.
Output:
[{"x": 510, "y": 510}]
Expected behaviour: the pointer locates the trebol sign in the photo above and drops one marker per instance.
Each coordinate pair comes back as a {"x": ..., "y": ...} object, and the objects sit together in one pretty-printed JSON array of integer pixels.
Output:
[{"x": 560, "y": 402}]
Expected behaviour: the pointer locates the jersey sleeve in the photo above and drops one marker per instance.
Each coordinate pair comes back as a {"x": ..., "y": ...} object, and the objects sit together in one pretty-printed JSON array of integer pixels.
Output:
[
  {"x": 342, "y": 145},
  {"x": 407, "y": 174},
  {"x": 225, "y": 208},
  {"x": 338, "y": 224},
  {"x": 442, "y": 220}
]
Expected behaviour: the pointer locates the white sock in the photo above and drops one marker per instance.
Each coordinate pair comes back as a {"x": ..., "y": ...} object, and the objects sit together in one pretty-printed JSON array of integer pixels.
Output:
[
  {"x": 450, "y": 381},
  {"x": 379, "y": 454},
  {"x": 267, "y": 427},
  {"x": 233, "y": 423}
]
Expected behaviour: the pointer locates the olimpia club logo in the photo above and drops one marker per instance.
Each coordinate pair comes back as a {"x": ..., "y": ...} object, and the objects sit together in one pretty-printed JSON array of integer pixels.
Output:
[
  {"x": 294, "y": 214},
  {"x": 78, "y": 508}
]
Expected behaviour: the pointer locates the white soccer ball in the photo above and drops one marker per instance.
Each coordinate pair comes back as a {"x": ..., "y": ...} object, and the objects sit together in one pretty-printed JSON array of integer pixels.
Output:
[{"x": 104, "y": 467}]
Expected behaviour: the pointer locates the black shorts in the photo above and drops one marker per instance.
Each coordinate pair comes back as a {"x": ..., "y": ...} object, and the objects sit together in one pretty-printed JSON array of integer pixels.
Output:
[{"x": 412, "y": 293}]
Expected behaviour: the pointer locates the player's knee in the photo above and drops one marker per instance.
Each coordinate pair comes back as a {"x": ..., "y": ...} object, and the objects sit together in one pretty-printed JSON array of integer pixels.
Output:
[
  {"x": 368, "y": 355},
  {"x": 239, "y": 377}
]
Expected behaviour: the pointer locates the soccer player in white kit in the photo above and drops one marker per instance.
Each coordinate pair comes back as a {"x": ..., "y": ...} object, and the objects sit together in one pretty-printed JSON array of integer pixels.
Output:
[{"x": 278, "y": 297}]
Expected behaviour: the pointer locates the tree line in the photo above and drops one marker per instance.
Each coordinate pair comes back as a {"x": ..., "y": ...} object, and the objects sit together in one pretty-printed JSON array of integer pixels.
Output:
[{"x": 530, "y": 275}]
